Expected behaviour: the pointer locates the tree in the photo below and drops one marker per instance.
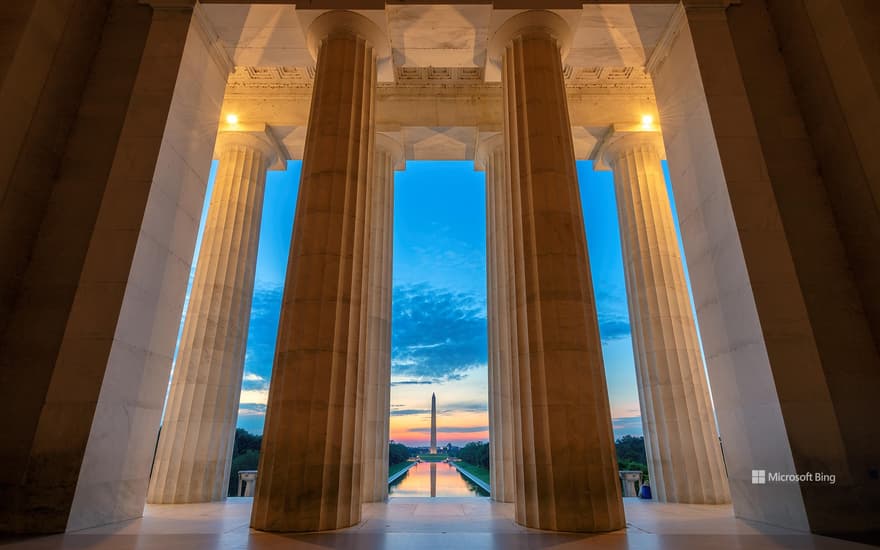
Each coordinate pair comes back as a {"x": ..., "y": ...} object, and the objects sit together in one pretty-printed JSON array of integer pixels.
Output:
[
  {"x": 476, "y": 454},
  {"x": 631, "y": 453},
  {"x": 397, "y": 453},
  {"x": 246, "y": 441}
]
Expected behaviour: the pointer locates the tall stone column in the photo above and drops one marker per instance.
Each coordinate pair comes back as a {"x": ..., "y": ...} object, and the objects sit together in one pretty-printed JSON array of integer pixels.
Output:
[
  {"x": 85, "y": 359},
  {"x": 566, "y": 468},
  {"x": 195, "y": 445},
  {"x": 387, "y": 157},
  {"x": 684, "y": 455},
  {"x": 490, "y": 157},
  {"x": 311, "y": 460}
]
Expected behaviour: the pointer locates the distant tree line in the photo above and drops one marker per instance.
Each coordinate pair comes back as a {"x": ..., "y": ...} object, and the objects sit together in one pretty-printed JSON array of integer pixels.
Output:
[
  {"x": 476, "y": 454},
  {"x": 631, "y": 453},
  {"x": 246, "y": 454},
  {"x": 397, "y": 453}
]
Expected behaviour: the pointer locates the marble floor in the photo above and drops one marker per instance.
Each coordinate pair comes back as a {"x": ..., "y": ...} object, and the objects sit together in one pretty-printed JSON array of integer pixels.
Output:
[{"x": 428, "y": 523}]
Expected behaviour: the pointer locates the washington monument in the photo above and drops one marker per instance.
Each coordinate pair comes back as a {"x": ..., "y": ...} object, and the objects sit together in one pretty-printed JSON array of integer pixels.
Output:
[{"x": 433, "y": 424}]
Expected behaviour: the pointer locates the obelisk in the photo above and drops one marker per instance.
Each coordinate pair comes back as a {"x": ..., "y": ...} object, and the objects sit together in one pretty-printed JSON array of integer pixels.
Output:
[{"x": 433, "y": 424}]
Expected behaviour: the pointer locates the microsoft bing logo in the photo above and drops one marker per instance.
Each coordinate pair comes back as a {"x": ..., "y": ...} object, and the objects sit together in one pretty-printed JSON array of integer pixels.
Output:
[{"x": 759, "y": 477}]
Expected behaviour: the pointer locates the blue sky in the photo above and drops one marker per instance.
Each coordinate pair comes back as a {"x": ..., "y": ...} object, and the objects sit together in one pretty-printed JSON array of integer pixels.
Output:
[{"x": 439, "y": 337}]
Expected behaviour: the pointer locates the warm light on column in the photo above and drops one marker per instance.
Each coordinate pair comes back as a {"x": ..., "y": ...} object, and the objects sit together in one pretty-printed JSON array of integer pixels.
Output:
[
  {"x": 232, "y": 118},
  {"x": 647, "y": 121}
]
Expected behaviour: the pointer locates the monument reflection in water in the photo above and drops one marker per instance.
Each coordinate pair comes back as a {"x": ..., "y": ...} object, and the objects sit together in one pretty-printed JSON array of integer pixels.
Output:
[{"x": 434, "y": 479}]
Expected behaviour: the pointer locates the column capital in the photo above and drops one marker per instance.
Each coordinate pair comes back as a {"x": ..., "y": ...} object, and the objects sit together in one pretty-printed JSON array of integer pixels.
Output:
[
  {"x": 257, "y": 136},
  {"x": 621, "y": 137},
  {"x": 485, "y": 147},
  {"x": 389, "y": 145},
  {"x": 346, "y": 22},
  {"x": 528, "y": 23}
]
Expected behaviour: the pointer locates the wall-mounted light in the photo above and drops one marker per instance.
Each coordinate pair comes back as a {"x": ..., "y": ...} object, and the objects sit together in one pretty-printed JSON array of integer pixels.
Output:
[
  {"x": 647, "y": 121},
  {"x": 232, "y": 118}
]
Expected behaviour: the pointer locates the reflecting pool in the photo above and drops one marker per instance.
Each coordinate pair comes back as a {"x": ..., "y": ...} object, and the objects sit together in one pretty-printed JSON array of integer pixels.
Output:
[{"x": 434, "y": 479}]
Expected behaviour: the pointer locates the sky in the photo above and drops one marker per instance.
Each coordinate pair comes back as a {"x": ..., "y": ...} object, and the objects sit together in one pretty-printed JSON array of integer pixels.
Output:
[{"x": 439, "y": 332}]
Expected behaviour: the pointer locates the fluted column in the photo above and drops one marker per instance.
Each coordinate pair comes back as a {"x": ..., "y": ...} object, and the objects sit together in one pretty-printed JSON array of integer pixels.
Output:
[
  {"x": 195, "y": 445},
  {"x": 490, "y": 157},
  {"x": 311, "y": 459},
  {"x": 387, "y": 157},
  {"x": 681, "y": 440},
  {"x": 566, "y": 468}
]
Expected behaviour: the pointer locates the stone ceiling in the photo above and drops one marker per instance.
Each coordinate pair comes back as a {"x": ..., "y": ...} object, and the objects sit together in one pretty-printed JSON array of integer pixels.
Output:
[
  {"x": 420, "y": 36},
  {"x": 438, "y": 91}
]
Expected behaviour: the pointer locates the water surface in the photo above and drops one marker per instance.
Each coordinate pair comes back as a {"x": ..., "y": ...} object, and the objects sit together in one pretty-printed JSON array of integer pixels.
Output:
[{"x": 434, "y": 479}]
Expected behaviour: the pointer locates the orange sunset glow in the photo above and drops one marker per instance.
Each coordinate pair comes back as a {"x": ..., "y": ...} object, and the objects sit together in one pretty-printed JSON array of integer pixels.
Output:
[{"x": 414, "y": 429}]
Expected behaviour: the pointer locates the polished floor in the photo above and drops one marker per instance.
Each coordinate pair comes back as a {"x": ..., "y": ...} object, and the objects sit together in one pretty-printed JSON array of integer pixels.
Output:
[{"x": 428, "y": 523}]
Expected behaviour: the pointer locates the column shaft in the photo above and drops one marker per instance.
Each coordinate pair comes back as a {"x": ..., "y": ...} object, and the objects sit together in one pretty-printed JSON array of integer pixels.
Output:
[
  {"x": 384, "y": 333},
  {"x": 84, "y": 360},
  {"x": 498, "y": 305},
  {"x": 566, "y": 467},
  {"x": 310, "y": 465},
  {"x": 681, "y": 440},
  {"x": 195, "y": 446},
  {"x": 378, "y": 335}
]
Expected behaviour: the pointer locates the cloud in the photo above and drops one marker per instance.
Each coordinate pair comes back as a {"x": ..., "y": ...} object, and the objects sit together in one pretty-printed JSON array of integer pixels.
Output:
[
  {"x": 452, "y": 429},
  {"x": 428, "y": 346},
  {"x": 438, "y": 334},
  {"x": 409, "y": 412},
  {"x": 412, "y": 382},
  {"x": 614, "y": 327},
  {"x": 627, "y": 425},
  {"x": 251, "y": 409},
  {"x": 265, "y": 313},
  {"x": 445, "y": 252},
  {"x": 613, "y": 313},
  {"x": 260, "y": 396},
  {"x": 449, "y": 377},
  {"x": 251, "y": 382},
  {"x": 467, "y": 406}
]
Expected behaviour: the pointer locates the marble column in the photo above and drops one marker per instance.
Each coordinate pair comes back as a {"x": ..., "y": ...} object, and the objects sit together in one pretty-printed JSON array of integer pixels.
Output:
[
  {"x": 490, "y": 157},
  {"x": 566, "y": 468},
  {"x": 387, "y": 157},
  {"x": 86, "y": 358},
  {"x": 311, "y": 460},
  {"x": 681, "y": 440},
  {"x": 195, "y": 445}
]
